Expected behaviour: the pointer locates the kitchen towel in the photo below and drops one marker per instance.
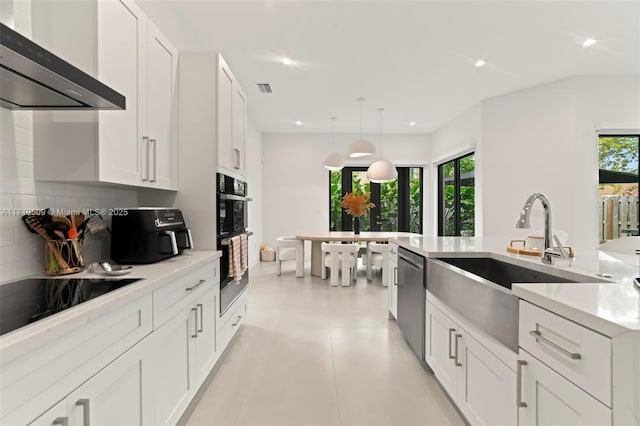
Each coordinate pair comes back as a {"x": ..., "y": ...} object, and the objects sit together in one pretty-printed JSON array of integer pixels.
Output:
[{"x": 238, "y": 257}]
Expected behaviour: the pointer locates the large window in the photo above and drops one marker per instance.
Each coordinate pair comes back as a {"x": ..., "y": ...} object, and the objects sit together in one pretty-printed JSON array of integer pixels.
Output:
[
  {"x": 398, "y": 204},
  {"x": 618, "y": 185},
  {"x": 456, "y": 197}
]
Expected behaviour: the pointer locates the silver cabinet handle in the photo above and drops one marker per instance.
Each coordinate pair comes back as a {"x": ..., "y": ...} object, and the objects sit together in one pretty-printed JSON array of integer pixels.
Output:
[
  {"x": 395, "y": 275},
  {"x": 85, "y": 404},
  {"x": 519, "y": 402},
  {"x": 236, "y": 160},
  {"x": 540, "y": 338},
  {"x": 62, "y": 421},
  {"x": 196, "y": 286},
  {"x": 145, "y": 158},
  {"x": 196, "y": 323},
  {"x": 451, "y": 330},
  {"x": 458, "y": 364},
  {"x": 155, "y": 159},
  {"x": 199, "y": 306},
  {"x": 237, "y": 322}
]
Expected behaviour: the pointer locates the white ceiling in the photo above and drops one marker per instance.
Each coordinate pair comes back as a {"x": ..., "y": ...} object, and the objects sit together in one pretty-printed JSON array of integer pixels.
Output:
[{"x": 415, "y": 59}]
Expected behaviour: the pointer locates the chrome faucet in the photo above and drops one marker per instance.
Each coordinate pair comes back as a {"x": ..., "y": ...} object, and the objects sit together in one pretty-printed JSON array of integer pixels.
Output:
[{"x": 548, "y": 252}]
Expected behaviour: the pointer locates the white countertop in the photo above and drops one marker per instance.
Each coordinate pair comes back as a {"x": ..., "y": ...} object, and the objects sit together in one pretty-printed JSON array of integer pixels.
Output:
[
  {"x": 611, "y": 308},
  {"x": 152, "y": 276}
]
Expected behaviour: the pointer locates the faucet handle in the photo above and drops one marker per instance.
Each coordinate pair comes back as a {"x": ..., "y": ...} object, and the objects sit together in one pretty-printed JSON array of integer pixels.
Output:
[{"x": 559, "y": 252}]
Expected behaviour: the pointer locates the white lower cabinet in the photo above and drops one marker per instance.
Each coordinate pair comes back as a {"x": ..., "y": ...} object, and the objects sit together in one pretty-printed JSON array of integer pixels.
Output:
[
  {"x": 481, "y": 384},
  {"x": 547, "y": 398},
  {"x": 185, "y": 354},
  {"x": 120, "y": 394}
]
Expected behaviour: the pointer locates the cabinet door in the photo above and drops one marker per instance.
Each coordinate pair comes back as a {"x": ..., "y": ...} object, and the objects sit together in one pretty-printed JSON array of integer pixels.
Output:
[
  {"x": 482, "y": 371},
  {"x": 225, "y": 116},
  {"x": 205, "y": 343},
  {"x": 239, "y": 128},
  {"x": 161, "y": 84},
  {"x": 56, "y": 415},
  {"x": 121, "y": 65},
  {"x": 175, "y": 381},
  {"x": 392, "y": 282},
  {"x": 440, "y": 332},
  {"x": 553, "y": 400},
  {"x": 120, "y": 394}
]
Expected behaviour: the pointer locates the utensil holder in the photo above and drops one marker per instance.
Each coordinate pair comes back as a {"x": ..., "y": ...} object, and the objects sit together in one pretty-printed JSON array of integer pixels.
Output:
[{"x": 63, "y": 257}]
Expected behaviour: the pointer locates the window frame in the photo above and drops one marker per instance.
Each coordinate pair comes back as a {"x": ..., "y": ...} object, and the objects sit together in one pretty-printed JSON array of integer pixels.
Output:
[{"x": 456, "y": 195}]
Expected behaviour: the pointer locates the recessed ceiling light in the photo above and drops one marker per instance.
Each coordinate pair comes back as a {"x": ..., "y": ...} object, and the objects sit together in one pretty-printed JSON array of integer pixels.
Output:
[
  {"x": 480, "y": 63},
  {"x": 413, "y": 123},
  {"x": 298, "y": 123},
  {"x": 287, "y": 61},
  {"x": 589, "y": 42}
]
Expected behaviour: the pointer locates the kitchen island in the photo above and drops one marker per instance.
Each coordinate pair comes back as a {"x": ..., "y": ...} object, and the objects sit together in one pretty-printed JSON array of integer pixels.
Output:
[{"x": 582, "y": 340}]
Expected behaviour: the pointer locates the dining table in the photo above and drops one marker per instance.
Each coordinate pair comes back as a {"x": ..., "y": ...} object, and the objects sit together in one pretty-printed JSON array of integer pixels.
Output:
[{"x": 317, "y": 238}]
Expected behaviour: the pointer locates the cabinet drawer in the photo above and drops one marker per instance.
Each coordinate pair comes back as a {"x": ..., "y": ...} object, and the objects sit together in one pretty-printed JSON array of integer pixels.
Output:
[
  {"x": 34, "y": 382},
  {"x": 231, "y": 321},
  {"x": 173, "y": 297},
  {"x": 577, "y": 353}
]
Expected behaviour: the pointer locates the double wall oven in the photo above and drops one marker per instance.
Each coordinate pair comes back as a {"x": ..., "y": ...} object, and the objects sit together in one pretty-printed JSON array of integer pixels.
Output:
[{"x": 232, "y": 213}]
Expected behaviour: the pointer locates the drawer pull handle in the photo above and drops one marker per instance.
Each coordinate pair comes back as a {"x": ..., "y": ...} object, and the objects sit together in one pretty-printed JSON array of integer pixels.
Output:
[
  {"x": 539, "y": 337},
  {"x": 196, "y": 286},
  {"x": 86, "y": 418},
  {"x": 62, "y": 421},
  {"x": 458, "y": 364},
  {"x": 237, "y": 322},
  {"x": 451, "y": 330},
  {"x": 519, "y": 402}
]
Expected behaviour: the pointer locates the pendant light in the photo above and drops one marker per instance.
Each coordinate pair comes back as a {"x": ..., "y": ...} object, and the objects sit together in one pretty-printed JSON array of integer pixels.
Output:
[
  {"x": 381, "y": 170},
  {"x": 334, "y": 162},
  {"x": 361, "y": 147}
]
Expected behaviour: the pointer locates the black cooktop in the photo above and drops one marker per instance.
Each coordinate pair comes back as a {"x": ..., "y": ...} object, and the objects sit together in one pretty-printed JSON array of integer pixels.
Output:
[{"x": 26, "y": 301}]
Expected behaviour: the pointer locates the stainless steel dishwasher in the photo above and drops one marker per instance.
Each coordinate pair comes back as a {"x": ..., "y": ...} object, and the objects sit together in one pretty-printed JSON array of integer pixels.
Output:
[{"x": 411, "y": 299}]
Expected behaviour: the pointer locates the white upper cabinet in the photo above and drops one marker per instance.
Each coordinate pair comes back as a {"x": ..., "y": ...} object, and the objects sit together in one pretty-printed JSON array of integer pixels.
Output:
[
  {"x": 116, "y": 43},
  {"x": 232, "y": 111}
]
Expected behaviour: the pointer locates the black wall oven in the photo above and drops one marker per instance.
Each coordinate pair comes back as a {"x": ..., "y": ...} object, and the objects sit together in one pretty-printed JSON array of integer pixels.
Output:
[{"x": 232, "y": 214}]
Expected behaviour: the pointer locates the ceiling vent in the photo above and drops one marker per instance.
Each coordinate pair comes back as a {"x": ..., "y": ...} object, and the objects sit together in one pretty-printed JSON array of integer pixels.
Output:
[{"x": 264, "y": 87}]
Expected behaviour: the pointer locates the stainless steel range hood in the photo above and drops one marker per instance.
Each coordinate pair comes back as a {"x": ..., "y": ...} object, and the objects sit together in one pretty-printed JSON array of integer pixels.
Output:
[{"x": 34, "y": 78}]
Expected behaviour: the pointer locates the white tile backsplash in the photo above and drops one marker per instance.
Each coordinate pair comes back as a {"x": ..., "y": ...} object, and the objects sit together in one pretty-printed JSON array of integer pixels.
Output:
[{"x": 22, "y": 253}]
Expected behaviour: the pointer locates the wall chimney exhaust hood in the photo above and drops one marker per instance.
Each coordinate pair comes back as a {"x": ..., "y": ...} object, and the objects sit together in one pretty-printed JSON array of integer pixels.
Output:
[{"x": 34, "y": 78}]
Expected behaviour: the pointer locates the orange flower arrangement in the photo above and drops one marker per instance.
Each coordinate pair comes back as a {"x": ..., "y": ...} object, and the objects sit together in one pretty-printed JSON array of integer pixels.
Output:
[{"x": 356, "y": 204}]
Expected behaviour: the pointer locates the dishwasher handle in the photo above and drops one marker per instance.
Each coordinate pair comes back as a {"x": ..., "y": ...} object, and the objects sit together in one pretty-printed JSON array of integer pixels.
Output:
[{"x": 411, "y": 262}]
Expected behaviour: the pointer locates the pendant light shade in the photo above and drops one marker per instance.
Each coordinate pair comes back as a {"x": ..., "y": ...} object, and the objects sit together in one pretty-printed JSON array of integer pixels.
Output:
[
  {"x": 361, "y": 147},
  {"x": 382, "y": 170},
  {"x": 335, "y": 161}
]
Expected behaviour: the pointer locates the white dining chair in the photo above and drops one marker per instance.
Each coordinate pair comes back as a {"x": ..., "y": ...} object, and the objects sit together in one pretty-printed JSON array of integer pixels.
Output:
[
  {"x": 377, "y": 254},
  {"x": 290, "y": 248},
  {"x": 338, "y": 257}
]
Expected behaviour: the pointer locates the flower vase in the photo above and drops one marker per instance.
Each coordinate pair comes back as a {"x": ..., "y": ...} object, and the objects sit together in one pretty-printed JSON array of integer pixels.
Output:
[{"x": 356, "y": 225}]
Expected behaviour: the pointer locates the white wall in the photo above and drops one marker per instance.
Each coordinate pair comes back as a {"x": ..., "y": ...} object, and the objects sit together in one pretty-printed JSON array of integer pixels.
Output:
[
  {"x": 460, "y": 136},
  {"x": 296, "y": 186},
  {"x": 541, "y": 139},
  {"x": 254, "y": 180},
  {"x": 22, "y": 253}
]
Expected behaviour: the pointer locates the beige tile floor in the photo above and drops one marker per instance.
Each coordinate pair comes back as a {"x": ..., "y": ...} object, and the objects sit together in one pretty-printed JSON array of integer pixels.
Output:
[{"x": 310, "y": 354}]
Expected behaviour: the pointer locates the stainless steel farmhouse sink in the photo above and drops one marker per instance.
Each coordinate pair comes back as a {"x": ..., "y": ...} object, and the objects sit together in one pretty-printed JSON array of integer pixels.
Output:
[{"x": 479, "y": 289}]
